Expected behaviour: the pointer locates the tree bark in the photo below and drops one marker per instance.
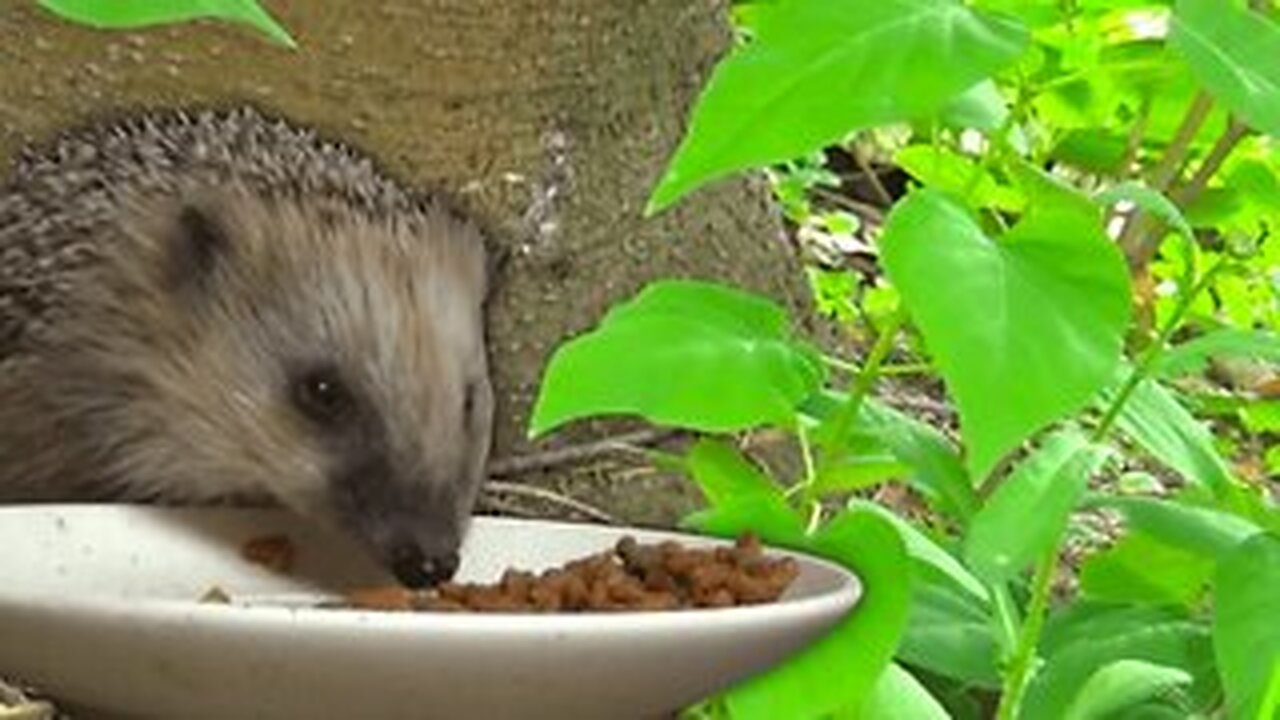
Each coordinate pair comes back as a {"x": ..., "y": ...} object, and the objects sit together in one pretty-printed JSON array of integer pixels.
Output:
[{"x": 550, "y": 120}]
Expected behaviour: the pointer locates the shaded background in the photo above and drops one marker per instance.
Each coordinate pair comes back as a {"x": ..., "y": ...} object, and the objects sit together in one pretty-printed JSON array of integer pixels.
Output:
[{"x": 550, "y": 121}]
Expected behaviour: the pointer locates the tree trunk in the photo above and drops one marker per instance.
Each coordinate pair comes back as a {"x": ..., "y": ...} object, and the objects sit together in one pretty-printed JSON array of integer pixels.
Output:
[{"x": 549, "y": 119}]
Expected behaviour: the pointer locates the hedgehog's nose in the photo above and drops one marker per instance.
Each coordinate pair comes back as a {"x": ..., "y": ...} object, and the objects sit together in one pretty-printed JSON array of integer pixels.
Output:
[
  {"x": 413, "y": 568},
  {"x": 442, "y": 569}
]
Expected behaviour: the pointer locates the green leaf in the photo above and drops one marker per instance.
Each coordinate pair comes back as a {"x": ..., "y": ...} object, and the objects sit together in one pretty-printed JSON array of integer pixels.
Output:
[
  {"x": 896, "y": 695},
  {"x": 1193, "y": 356},
  {"x": 772, "y": 524},
  {"x": 742, "y": 498},
  {"x": 861, "y": 646},
  {"x": 1121, "y": 685},
  {"x": 816, "y": 70},
  {"x": 981, "y": 107},
  {"x": 724, "y": 475},
  {"x": 1261, "y": 417},
  {"x": 1094, "y": 149},
  {"x": 1036, "y": 13},
  {"x": 1103, "y": 638},
  {"x": 947, "y": 170},
  {"x": 1047, "y": 191},
  {"x": 860, "y": 461},
  {"x": 951, "y": 634},
  {"x": 1150, "y": 200},
  {"x": 925, "y": 551},
  {"x": 1204, "y": 531},
  {"x": 1215, "y": 206},
  {"x": 938, "y": 471},
  {"x": 143, "y": 13},
  {"x": 858, "y": 471},
  {"x": 1246, "y": 627},
  {"x": 1025, "y": 329},
  {"x": 1142, "y": 569},
  {"x": 1000, "y": 542},
  {"x": 1233, "y": 51},
  {"x": 1081, "y": 619},
  {"x": 1154, "y": 419},
  {"x": 1257, "y": 183},
  {"x": 691, "y": 354}
]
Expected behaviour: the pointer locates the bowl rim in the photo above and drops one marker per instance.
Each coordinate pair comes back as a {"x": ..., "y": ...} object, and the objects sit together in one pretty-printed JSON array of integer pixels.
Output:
[{"x": 249, "y": 608}]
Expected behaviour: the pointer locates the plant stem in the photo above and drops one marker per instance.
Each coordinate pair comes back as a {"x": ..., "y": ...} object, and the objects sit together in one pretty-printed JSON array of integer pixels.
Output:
[
  {"x": 1135, "y": 236},
  {"x": 1024, "y": 655},
  {"x": 1005, "y": 617},
  {"x": 1235, "y": 132},
  {"x": 848, "y": 414},
  {"x": 877, "y": 187},
  {"x": 1042, "y": 581},
  {"x": 840, "y": 363},
  {"x": 1176, "y": 154},
  {"x": 885, "y": 370},
  {"x": 810, "y": 472},
  {"x": 1134, "y": 142},
  {"x": 997, "y": 142},
  {"x": 863, "y": 381},
  {"x": 906, "y": 369},
  {"x": 857, "y": 207},
  {"x": 1153, "y": 352}
]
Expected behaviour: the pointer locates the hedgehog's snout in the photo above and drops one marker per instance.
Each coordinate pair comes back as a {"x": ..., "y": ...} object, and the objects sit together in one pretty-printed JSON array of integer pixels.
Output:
[
  {"x": 414, "y": 528},
  {"x": 419, "y": 548},
  {"x": 416, "y": 569}
]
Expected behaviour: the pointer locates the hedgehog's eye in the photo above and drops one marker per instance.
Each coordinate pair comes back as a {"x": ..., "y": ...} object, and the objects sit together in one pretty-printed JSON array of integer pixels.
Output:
[
  {"x": 321, "y": 396},
  {"x": 469, "y": 402}
]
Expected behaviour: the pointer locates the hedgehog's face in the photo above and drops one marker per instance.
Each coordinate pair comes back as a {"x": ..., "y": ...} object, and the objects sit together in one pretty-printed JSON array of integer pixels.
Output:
[{"x": 334, "y": 362}]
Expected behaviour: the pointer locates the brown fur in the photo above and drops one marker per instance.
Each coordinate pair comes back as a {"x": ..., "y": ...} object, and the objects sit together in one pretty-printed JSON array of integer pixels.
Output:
[{"x": 151, "y": 375}]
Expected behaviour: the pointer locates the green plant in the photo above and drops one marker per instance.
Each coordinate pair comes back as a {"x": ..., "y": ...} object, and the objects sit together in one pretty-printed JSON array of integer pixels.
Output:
[
  {"x": 143, "y": 13},
  {"x": 1155, "y": 117}
]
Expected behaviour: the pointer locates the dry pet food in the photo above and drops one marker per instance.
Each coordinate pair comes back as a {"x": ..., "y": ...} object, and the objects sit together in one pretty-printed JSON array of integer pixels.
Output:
[
  {"x": 274, "y": 552},
  {"x": 630, "y": 576}
]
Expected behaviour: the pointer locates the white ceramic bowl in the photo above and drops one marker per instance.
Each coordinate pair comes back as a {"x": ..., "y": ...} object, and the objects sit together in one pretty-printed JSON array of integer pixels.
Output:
[{"x": 99, "y": 608}]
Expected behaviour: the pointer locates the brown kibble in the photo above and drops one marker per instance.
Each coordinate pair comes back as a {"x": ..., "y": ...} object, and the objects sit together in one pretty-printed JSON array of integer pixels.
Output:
[
  {"x": 599, "y": 595},
  {"x": 381, "y": 598},
  {"x": 631, "y": 576},
  {"x": 657, "y": 601},
  {"x": 452, "y": 591},
  {"x": 576, "y": 594},
  {"x": 660, "y": 581},
  {"x": 274, "y": 552},
  {"x": 626, "y": 591},
  {"x": 438, "y": 604},
  {"x": 710, "y": 576},
  {"x": 718, "y": 598},
  {"x": 546, "y": 598},
  {"x": 517, "y": 583},
  {"x": 751, "y": 590}
]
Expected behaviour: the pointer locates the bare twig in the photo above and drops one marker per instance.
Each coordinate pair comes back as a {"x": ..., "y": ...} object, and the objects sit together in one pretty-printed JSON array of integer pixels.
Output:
[
  {"x": 866, "y": 210},
  {"x": 1134, "y": 142},
  {"x": 1140, "y": 228},
  {"x": 1171, "y": 163},
  {"x": 550, "y": 496},
  {"x": 505, "y": 507},
  {"x": 919, "y": 403},
  {"x": 1188, "y": 193},
  {"x": 877, "y": 187},
  {"x": 627, "y": 442}
]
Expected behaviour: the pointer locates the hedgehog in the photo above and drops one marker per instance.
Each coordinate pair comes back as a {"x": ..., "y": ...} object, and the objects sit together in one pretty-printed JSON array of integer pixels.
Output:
[{"x": 212, "y": 306}]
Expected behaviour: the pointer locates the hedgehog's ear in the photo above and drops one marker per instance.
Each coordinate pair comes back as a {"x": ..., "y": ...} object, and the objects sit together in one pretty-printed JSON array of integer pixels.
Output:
[{"x": 197, "y": 243}]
